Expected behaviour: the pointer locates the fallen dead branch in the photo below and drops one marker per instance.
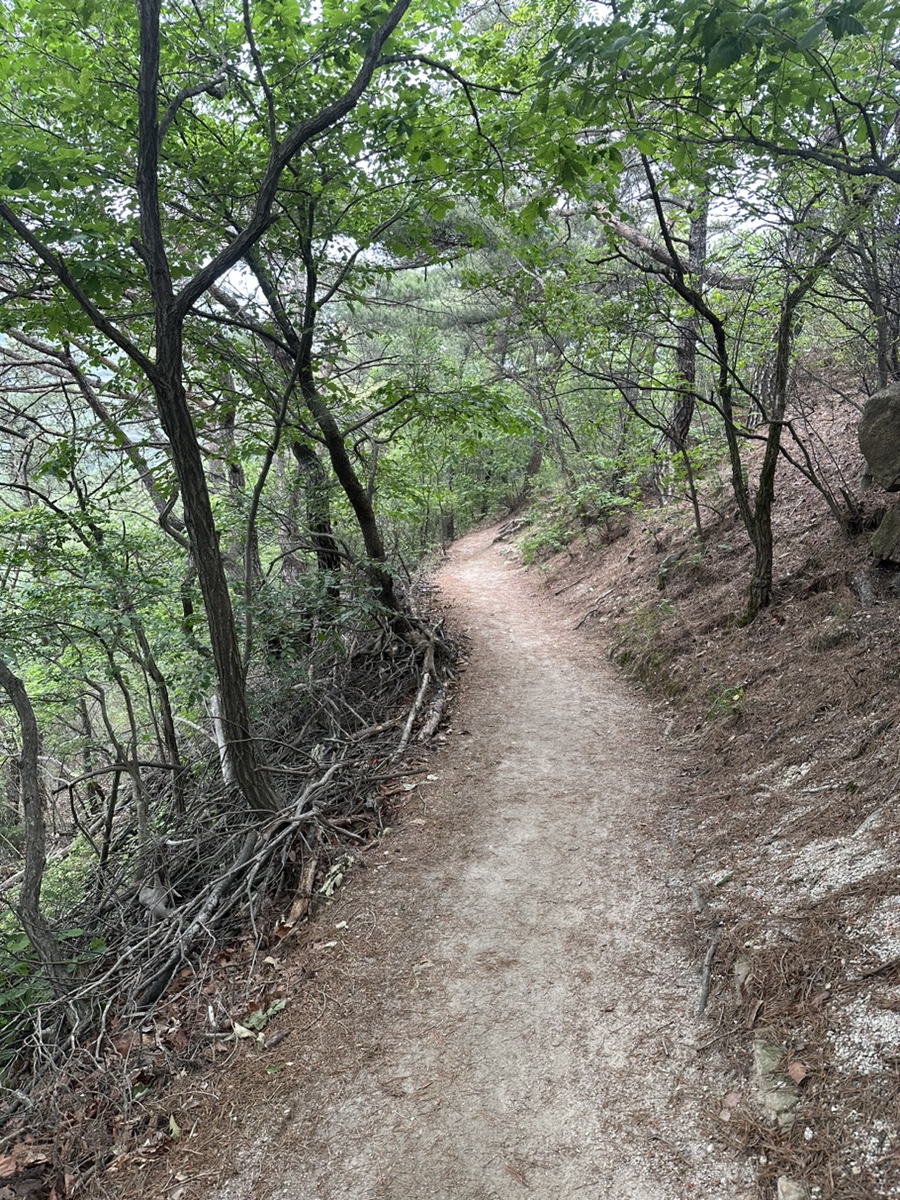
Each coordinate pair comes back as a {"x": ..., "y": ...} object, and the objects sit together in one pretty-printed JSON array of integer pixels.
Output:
[
  {"x": 435, "y": 713},
  {"x": 593, "y": 610},
  {"x": 413, "y": 713},
  {"x": 510, "y": 529},
  {"x": 706, "y": 971},
  {"x": 329, "y": 735},
  {"x": 300, "y": 908}
]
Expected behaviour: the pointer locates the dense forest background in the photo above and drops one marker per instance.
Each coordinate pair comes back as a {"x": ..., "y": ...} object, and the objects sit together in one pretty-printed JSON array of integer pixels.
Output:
[{"x": 292, "y": 294}]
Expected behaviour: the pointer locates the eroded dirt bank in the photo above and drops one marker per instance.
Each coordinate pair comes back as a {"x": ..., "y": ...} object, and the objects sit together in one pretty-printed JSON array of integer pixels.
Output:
[{"x": 506, "y": 1008}]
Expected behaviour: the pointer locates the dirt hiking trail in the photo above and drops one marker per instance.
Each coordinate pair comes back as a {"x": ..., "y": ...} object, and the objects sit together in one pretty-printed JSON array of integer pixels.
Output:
[{"x": 506, "y": 1010}]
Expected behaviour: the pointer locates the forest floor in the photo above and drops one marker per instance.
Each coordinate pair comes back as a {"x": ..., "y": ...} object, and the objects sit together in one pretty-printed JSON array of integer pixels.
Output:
[
  {"x": 497, "y": 1002},
  {"x": 503, "y": 996}
]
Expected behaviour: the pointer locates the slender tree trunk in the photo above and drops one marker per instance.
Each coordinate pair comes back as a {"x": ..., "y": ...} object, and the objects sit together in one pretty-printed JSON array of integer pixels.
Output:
[
  {"x": 166, "y": 717},
  {"x": 357, "y": 495},
  {"x": 301, "y": 347},
  {"x": 760, "y": 592},
  {"x": 318, "y": 516},
  {"x": 166, "y": 375},
  {"x": 243, "y": 751},
  {"x": 686, "y": 348},
  {"x": 245, "y": 557},
  {"x": 28, "y": 908},
  {"x": 532, "y": 467},
  {"x": 883, "y": 341},
  {"x": 448, "y": 528}
]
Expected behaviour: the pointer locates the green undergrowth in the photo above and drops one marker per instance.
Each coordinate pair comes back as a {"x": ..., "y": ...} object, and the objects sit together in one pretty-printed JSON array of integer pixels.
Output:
[
  {"x": 642, "y": 649},
  {"x": 559, "y": 517},
  {"x": 24, "y": 988}
]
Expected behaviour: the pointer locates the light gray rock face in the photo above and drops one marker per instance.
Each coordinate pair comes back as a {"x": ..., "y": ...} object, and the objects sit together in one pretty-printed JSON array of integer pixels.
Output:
[
  {"x": 879, "y": 437},
  {"x": 775, "y": 1093},
  {"x": 885, "y": 543}
]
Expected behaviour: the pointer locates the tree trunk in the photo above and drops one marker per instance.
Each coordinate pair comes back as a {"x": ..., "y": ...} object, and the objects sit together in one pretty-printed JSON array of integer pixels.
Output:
[
  {"x": 167, "y": 719},
  {"x": 166, "y": 375},
  {"x": 28, "y": 908},
  {"x": 759, "y": 595},
  {"x": 244, "y": 556},
  {"x": 532, "y": 467},
  {"x": 318, "y": 516},
  {"x": 175, "y": 416},
  {"x": 301, "y": 347},
  {"x": 686, "y": 348},
  {"x": 760, "y": 592},
  {"x": 448, "y": 528},
  {"x": 358, "y": 496}
]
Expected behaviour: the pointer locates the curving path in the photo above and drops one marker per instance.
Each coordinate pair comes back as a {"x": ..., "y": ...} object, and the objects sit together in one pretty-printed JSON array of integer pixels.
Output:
[{"x": 506, "y": 1010}]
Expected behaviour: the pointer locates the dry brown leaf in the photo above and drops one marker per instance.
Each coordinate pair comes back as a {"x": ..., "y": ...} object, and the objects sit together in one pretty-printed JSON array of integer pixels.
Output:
[
  {"x": 8, "y": 1165},
  {"x": 178, "y": 1039},
  {"x": 797, "y": 1071}
]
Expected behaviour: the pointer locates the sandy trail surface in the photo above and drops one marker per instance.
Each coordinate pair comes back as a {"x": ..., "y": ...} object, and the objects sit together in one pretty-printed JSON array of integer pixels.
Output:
[{"x": 507, "y": 1010}]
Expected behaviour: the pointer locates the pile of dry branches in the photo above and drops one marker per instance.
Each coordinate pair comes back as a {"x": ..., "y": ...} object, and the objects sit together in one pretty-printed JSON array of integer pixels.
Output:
[{"x": 153, "y": 916}]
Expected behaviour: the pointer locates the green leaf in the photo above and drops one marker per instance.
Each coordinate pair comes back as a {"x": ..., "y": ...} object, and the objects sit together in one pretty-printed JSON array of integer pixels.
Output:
[
  {"x": 844, "y": 25},
  {"x": 259, "y": 1020},
  {"x": 812, "y": 35},
  {"x": 725, "y": 53}
]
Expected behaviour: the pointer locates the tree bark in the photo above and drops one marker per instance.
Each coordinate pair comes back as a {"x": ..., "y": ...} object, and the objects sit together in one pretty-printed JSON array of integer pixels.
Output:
[
  {"x": 167, "y": 379},
  {"x": 686, "y": 348},
  {"x": 28, "y": 908},
  {"x": 318, "y": 516},
  {"x": 243, "y": 751}
]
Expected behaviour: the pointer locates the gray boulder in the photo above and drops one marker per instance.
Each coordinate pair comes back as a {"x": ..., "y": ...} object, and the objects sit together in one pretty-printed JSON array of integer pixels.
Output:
[
  {"x": 879, "y": 437},
  {"x": 885, "y": 543}
]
